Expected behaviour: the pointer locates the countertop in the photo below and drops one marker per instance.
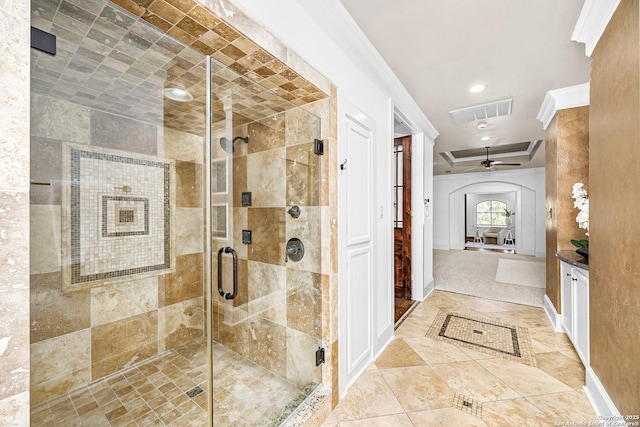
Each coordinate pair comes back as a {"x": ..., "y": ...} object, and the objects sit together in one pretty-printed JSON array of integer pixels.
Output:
[{"x": 571, "y": 257}]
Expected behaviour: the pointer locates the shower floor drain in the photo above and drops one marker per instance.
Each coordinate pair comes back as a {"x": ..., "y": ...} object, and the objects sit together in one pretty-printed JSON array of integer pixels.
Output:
[{"x": 195, "y": 391}]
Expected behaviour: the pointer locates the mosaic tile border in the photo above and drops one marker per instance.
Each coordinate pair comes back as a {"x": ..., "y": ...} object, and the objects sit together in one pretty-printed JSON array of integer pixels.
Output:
[
  {"x": 72, "y": 241},
  {"x": 522, "y": 347}
]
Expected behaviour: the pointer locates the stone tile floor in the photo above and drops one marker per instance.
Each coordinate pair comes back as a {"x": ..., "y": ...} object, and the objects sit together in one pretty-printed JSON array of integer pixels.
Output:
[
  {"x": 155, "y": 393},
  {"x": 421, "y": 381}
]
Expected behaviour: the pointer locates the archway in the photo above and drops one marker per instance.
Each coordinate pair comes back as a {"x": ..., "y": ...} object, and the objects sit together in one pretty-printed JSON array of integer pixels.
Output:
[{"x": 525, "y": 218}]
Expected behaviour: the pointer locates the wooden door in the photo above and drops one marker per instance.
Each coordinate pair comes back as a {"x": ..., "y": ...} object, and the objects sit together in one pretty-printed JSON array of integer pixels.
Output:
[{"x": 402, "y": 223}]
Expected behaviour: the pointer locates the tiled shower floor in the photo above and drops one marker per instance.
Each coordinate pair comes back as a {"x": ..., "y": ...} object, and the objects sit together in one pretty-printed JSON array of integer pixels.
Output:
[{"x": 155, "y": 393}]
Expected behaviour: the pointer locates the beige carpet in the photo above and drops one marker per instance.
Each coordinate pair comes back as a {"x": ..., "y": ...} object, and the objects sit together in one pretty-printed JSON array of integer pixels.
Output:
[
  {"x": 473, "y": 273},
  {"x": 520, "y": 272}
]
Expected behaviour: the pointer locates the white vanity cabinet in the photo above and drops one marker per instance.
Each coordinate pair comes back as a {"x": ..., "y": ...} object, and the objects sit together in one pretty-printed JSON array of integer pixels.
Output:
[
  {"x": 566, "y": 298},
  {"x": 581, "y": 314},
  {"x": 574, "y": 288}
]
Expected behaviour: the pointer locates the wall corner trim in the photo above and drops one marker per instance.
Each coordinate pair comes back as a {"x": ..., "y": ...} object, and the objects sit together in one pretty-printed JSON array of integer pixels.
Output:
[
  {"x": 593, "y": 20},
  {"x": 554, "y": 318},
  {"x": 561, "y": 99},
  {"x": 600, "y": 401}
]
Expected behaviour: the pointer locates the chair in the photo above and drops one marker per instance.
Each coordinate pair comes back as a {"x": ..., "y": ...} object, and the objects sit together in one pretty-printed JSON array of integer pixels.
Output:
[
  {"x": 478, "y": 238},
  {"x": 495, "y": 235}
]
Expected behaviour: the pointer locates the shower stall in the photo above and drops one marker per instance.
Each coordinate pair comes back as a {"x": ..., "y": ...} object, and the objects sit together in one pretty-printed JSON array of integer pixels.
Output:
[{"x": 175, "y": 223}]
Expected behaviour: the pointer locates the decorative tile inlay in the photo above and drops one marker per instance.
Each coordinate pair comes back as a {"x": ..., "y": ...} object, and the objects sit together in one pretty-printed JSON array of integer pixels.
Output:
[
  {"x": 468, "y": 405},
  {"x": 487, "y": 336},
  {"x": 494, "y": 337},
  {"x": 110, "y": 236},
  {"x": 124, "y": 216}
]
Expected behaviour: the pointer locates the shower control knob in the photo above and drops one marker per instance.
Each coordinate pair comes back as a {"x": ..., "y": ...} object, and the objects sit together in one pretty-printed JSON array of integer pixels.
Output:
[
  {"x": 294, "y": 211},
  {"x": 294, "y": 251}
]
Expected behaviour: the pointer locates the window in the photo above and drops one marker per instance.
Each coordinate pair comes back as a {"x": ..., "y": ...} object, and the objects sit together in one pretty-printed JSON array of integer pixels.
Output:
[
  {"x": 398, "y": 188},
  {"x": 491, "y": 213}
]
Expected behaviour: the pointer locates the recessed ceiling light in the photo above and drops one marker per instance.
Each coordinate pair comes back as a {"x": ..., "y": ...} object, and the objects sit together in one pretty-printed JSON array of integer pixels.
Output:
[
  {"x": 485, "y": 138},
  {"x": 477, "y": 88},
  {"x": 482, "y": 124},
  {"x": 177, "y": 94}
]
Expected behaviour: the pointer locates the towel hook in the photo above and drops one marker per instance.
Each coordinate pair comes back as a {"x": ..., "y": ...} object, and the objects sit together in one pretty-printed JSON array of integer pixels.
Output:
[{"x": 343, "y": 166}]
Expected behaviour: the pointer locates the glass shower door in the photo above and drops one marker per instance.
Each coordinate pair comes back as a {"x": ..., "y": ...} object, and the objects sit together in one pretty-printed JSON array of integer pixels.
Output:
[
  {"x": 117, "y": 288},
  {"x": 266, "y": 252},
  {"x": 120, "y": 153}
]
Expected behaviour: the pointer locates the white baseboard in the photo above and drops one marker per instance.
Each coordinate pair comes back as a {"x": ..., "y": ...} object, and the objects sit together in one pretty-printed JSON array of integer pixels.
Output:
[
  {"x": 541, "y": 254},
  {"x": 431, "y": 286},
  {"x": 600, "y": 401},
  {"x": 554, "y": 318}
]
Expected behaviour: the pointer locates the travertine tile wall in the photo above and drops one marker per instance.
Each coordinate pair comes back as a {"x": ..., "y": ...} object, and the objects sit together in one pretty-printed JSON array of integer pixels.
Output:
[
  {"x": 276, "y": 321},
  {"x": 108, "y": 328},
  {"x": 98, "y": 41},
  {"x": 14, "y": 215},
  {"x": 204, "y": 26}
]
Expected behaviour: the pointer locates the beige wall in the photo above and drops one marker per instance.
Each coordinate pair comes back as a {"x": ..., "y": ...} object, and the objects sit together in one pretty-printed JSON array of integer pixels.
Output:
[
  {"x": 551, "y": 205},
  {"x": 614, "y": 162},
  {"x": 567, "y": 162}
]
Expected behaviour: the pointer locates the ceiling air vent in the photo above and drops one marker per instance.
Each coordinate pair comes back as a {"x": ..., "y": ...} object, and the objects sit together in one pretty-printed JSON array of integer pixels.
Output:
[{"x": 484, "y": 111}]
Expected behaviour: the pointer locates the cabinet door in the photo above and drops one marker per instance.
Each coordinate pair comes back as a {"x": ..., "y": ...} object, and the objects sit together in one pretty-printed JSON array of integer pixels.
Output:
[
  {"x": 581, "y": 314},
  {"x": 566, "y": 299}
]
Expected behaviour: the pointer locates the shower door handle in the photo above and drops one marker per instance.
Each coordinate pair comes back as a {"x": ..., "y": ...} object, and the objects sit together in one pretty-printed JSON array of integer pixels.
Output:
[{"x": 223, "y": 294}]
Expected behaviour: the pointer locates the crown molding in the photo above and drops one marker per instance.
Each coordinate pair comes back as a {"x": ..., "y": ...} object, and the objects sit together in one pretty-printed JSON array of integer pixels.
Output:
[
  {"x": 483, "y": 176},
  {"x": 561, "y": 99},
  {"x": 593, "y": 20},
  {"x": 340, "y": 26}
]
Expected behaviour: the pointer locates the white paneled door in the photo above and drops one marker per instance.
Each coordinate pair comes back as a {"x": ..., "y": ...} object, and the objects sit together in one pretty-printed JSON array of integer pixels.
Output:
[{"x": 356, "y": 243}]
